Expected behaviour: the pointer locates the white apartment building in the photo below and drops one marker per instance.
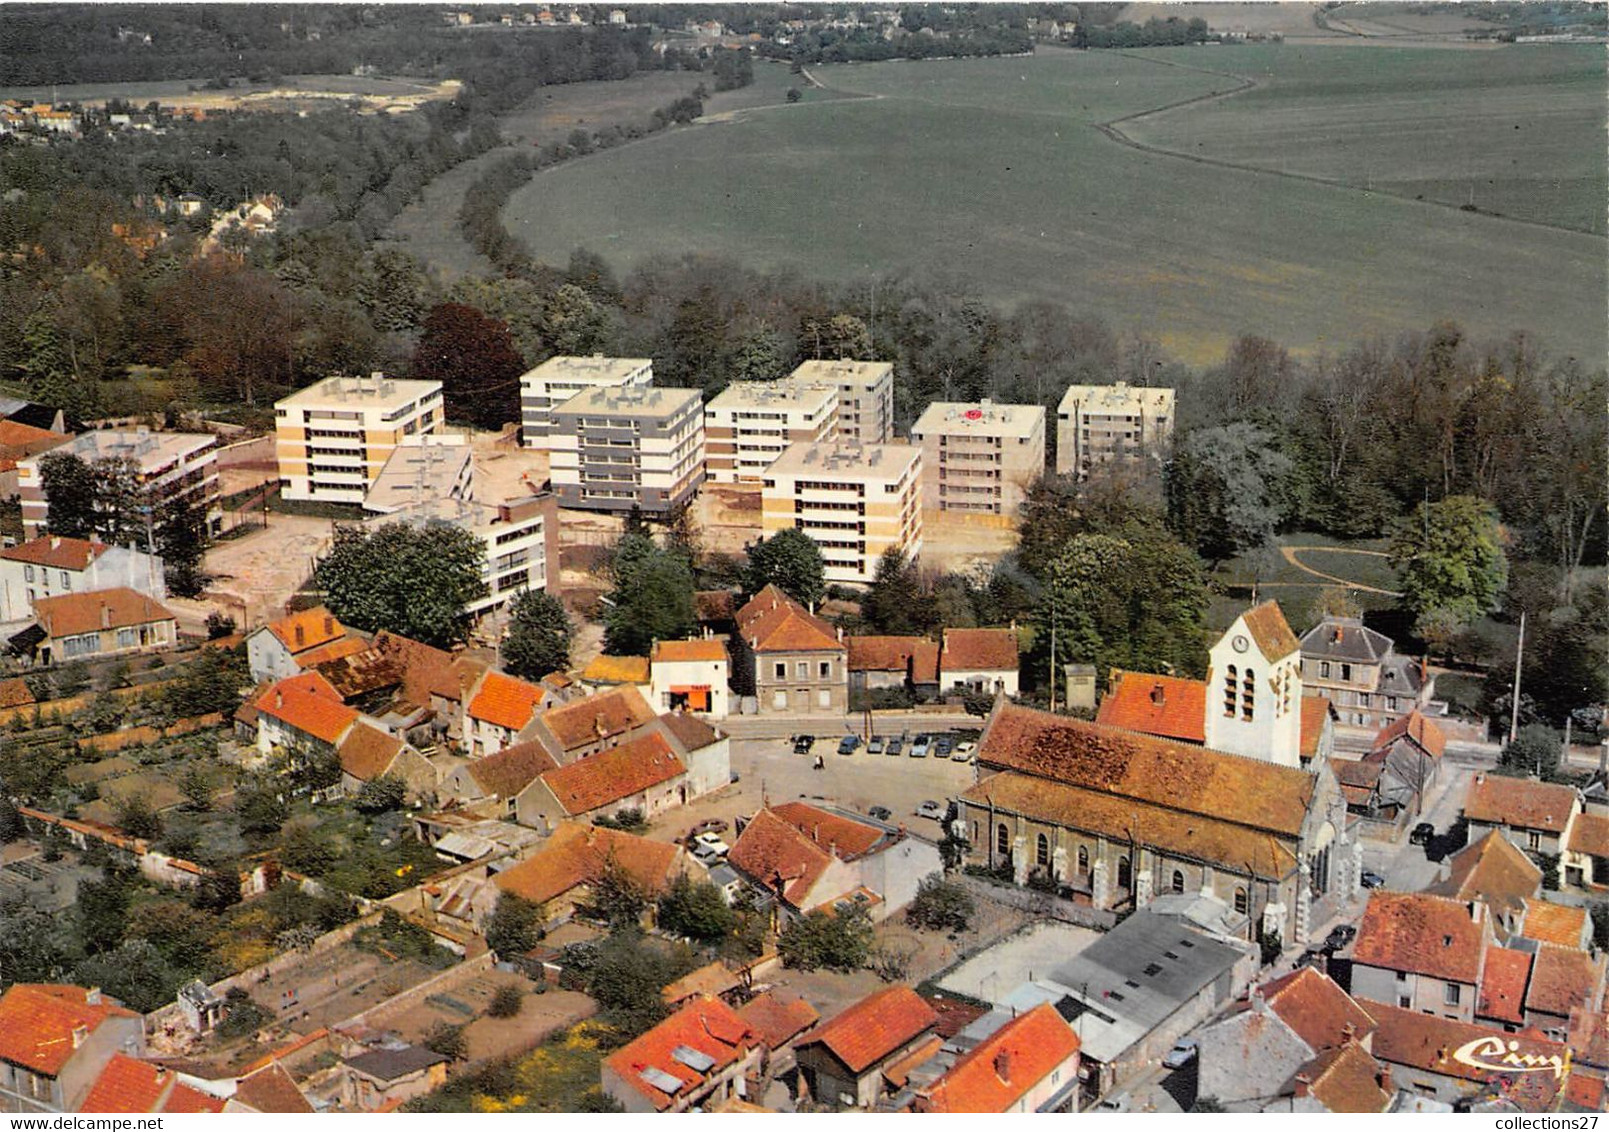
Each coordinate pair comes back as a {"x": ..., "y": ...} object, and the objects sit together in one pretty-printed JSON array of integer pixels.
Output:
[
  {"x": 749, "y": 424},
  {"x": 854, "y": 500},
  {"x": 979, "y": 459},
  {"x": 170, "y": 467},
  {"x": 865, "y": 396},
  {"x": 520, "y": 538},
  {"x": 51, "y": 565},
  {"x": 334, "y": 437},
  {"x": 1097, "y": 423},
  {"x": 613, "y": 448},
  {"x": 555, "y": 381},
  {"x": 432, "y": 466}
]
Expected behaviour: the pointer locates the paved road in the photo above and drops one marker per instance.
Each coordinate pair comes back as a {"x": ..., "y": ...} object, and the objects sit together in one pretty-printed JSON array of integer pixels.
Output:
[{"x": 883, "y": 723}]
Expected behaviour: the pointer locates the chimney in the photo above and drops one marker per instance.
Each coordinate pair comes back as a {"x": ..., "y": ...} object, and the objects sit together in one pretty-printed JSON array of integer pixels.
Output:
[
  {"x": 92, "y": 996},
  {"x": 301, "y": 637},
  {"x": 1349, "y": 1035},
  {"x": 55, "y": 542},
  {"x": 106, "y": 616},
  {"x": 279, "y": 699},
  {"x": 161, "y": 1074},
  {"x": 1002, "y": 1066},
  {"x": 329, "y": 626},
  {"x": 1383, "y": 1078},
  {"x": 1477, "y": 910},
  {"x": 1258, "y": 1002},
  {"x": 1304, "y": 1084},
  {"x": 80, "y": 1035}
]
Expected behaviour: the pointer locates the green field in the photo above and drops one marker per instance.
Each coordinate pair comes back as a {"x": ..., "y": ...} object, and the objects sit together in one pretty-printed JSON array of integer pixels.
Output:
[{"x": 990, "y": 176}]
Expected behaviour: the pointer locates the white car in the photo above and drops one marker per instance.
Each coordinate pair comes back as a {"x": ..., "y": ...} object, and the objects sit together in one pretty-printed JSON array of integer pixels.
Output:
[
  {"x": 710, "y": 842},
  {"x": 1184, "y": 1051},
  {"x": 930, "y": 809}
]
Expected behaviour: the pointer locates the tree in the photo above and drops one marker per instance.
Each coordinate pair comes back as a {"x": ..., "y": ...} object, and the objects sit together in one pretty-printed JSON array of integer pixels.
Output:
[
  {"x": 102, "y": 907},
  {"x": 791, "y": 561},
  {"x": 474, "y": 358},
  {"x": 217, "y": 891},
  {"x": 392, "y": 290},
  {"x": 136, "y": 818},
  {"x": 381, "y": 795},
  {"x": 1450, "y": 554},
  {"x": 572, "y": 323},
  {"x": 412, "y": 580},
  {"x": 652, "y": 599},
  {"x": 259, "y": 807},
  {"x": 695, "y": 909},
  {"x": 182, "y": 537},
  {"x": 73, "y": 491},
  {"x": 303, "y": 849},
  {"x": 793, "y": 94},
  {"x": 1228, "y": 489},
  {"x": 514, "y": 927},
  {"x": 1535, "y": 750},
  {"x": 538, "y": 638},
  {"x": 837, "y": 940},
  {"x": 940, "y": 905},
  {"x": 617, "y": 897},
  {"x": 447, "y": 1040},
  {"x": 894, "y": 603},
  {"x": 213, "y": 681},
  {"x": 507, "y": 1001},
  {"x": 219, "y": 624},
  {"x": 628, "y": 977},
  {"x": 12, "y": 827}
]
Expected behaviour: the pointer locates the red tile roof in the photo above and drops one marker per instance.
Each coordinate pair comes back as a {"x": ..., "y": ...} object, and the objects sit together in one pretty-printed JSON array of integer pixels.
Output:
[
  {"x": 773, "y": 622},
  {"x": 774, "y": 854},
  {"x": 1563, "y": 978},
  {"x": 1359, "y": 779},
  {"x": 308, "y": 703},
  {"x": 427, "y": 670},
  {"x": 20, "y": 441},
  {"x": 56, "y": 552},
  {"x": 505, "y": 701},
  {"x": 1589, "y": 834},
  {"x": 335, "y": 650},
  {"x": 512, "y": 769},
  {"x": 68, "y": 615},
  {"x": 1315, "y": 1008},
  {"x": 704, "y": 650},
  {"x": 617, "y": 670},
  {"x": 1519, "y": 803},
  {"x": 978, "y": 650},
  {"x": 1267, "y": 625},
  {"x": 1502, "y": 993},
  {"x": 307, "y": 629},
  {"x": 597, "y": 718},
  {"x": 1169, "y": 706},
  {"x": 271, "y": 1089},
  {"x": 610, "y": 776},
  {"x": 844, "y": 837},
  {"x": 881, "y": 654},
  {"x": 1418, "y": 730},
  {"x": 706, "y": 1025},
  {"x": 1588, "y": 1093},
  {"x": 1000, "y": 1070},
  {"x": 1547, "y": 922},
  {"x": 925, "y": 663},
  {"x": 1316, "y": 710},
  {"x": 367, "y": 752},
  {"x": 1492, "y": 869},
  {"x": 1347, "y": 1079},
  {"x": 777, "y": 1020},
  {"x": 37, "y": 1021},
  {"x": 575, "y": 855},
  {"x": 128, "y": 1085},
  {"x": 1424, "y": 934},
  {"x": 1589, "y": 1037},
  {"x": 1424, "y": 1041},
  {"x": 1176, "y": 776},
  {"x": 876, "y": 1027}
]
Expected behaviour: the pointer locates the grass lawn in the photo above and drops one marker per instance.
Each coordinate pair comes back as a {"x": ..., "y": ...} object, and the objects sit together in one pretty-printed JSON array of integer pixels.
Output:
[{"x": 989, "y": 176}]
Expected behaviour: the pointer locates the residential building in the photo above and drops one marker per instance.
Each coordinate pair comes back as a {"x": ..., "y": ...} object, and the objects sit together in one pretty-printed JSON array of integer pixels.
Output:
[
  {"x": 979, "y": 660},
  {"x": 1493, "y": 871},
  {"x": 499, "y": 778},
  {"x": 1028, "y": 1064},
  {"x": 555, "y": 381},
  {"x": 979, "y": 459},
  {"x": 1563, "y": 925},
  {"x": 749, "y": 424},
  {"x": 390, "y": 1074},
  {"x": 51, "y": 565},
  {"x": 1254, "y": 689},
  {"x": 55, "y": 1041},
  {"x": 96, "y": 624},
  {"x": 1422, "y": 952},
  {"x": 605, "y": 673},
  {"x": 267, "y": 1088},
  {"x": 865, "y": 396},
  {"x": 1098, "y": 424},
  {"x": 1118, "y": 817},
  {"x": 303, "y": 716},
  {"x": 878, "y": 664},
  {"x": 18, "y": 441},
  {"x": 1458, "y": 1063},
  {"x": 334, "y": 437},
  {"x": 500, "y": 709},
  {"x": 697, "y": 1058},
  {"x": 299, "y": 641},
  {"x": 571, "y": 731},
  {"x": 1360, "y": 672},
  {"x": 1536, "y": 816},
  {"x": 133, "y": 1086},
  {"x": 367, "y": 753},
  {"x": 841, "y": 1063},
  {"x": 1563, "y": 979},
  {"x": 787, "y": 658},
  {"x": 519, "y": 538},
  {"x": 613, "y": 448},
  {"x": 1409, "y": 752},
  {"x": 855, "y": 501},
  {"x": 169, "y": 469},
  {"x": 641, "y": 774},
  {"x": 690, "y": 676},
  {"x": 559, "y": 876},
  {"x": 424, "y": 468},
  {"x": 1585, "y": 864}
]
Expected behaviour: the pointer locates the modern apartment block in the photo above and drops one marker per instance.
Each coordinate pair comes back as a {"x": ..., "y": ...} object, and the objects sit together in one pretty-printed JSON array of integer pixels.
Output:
[
  {"x": 520, "y": 538},
  {"x": 1097, "y": 423},
  {"x": 865, "y": 396},
  {"x": 334, "y": 437},
  {"x": 749, "y": 424},
  {"x": 981, "y": 458},
  {"x": 555, "y": 381},
  {"x": 855, "y": 500},
  {"x": 614, "y": 448},
  {"x": 170, "y": 467}
]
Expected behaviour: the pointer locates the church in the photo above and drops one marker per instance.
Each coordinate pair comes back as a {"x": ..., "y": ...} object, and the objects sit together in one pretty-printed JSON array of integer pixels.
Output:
[{"x": 1245, "y": 814}]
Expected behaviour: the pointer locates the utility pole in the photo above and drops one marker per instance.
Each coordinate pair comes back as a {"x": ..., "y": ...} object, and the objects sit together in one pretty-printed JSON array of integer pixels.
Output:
[
  {"x": 1053, "y": 650},
  {"x": 1514, "y": 708}
]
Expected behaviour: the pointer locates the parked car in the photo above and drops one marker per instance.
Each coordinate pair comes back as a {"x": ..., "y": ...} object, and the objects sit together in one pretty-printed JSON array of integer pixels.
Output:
[
  {"x": 920, "y": 745},
  {"x": 1422, "y": 834},
  {"x": 942, "y": 746},
  {"x": 1184, "y": 1051},
  {"x": 930, "y": 809},
  {"x": 803, "y": 743},
  {"x": 711, "y": 841},
  {"x": 1313, "y": 957},
  {"x": 1372, "y": 879},
  {"x": 1117, "y": 1102},
  {"x": 1340, "y": 936},
  {"x": 847, "y": 745},
  {"x": 875, "y": 747},
  {"x": 881, "y": 813},
  {"x": 707, "y": 855},
  {"x": 896, "y": 745}
]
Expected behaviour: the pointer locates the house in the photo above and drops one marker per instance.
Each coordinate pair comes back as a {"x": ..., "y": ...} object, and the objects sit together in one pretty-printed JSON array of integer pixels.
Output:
[
  {"x": 115, "y": 622},
  {"x": 267, "y": 1088},
  {"x": 130, "y": 1085},
  {"x": 303, "y": 716},
  {"x": 979, "y": 660},
  {"x": 805, "y": 857},
  {"x": 367, "y": 753},
  {"x": 1250, "y": 1057},
  {"x": 787, "y": 658},
  {"x": 500, "y": 709},
  {"x": 692, "y": 676},
  {"x": 1493, "y": 871},
  {"x": 1166, "y": 706},
  {"x": 1118, "y": 817},
  {"x": 695, "y": 1059},
  {"x": 879, "y": 663},
  {"x": 1585, "y": 866},
  {"x": 1458, "y": 1063},
  {"x": 1422, "y": 952},
  {"x": 1502, "y": 992},
  {"x": 1359, "y": 780},
  {"x": 558, "y": 878},
  {"x": 841, "y": 1063},
  {"x": 777, "y": 1018},
  {"x": 605, "y": 672},
  {"x": 501, "y": 778},
  {"x": 55, "y": 1041},
  {"x": 1345, "y": 1078},
  {"x": 298, "y": 641},
  {"x": 51, "y": 565},
  {"x": 640, "y": 774},
  {"x": 1410, "y": 751},
  {"x": 1564, "y": 925},
  {"x": 1029, "y": 1064},
  {"x": 1358, "y": 669},
  {"x": 1534, "y": 815},
  {"x": 387, "y": 1076},
  {"x": 1562, "y": 979},
  {"x": 583, "y": 727}
]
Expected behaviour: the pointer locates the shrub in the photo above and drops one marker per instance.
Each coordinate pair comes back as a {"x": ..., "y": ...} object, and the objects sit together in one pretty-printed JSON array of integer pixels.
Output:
[
  {"x": 242, "y": 1015},
  {"x": 838, "y": 940},
  {"x": 940, "y": 905},
  {"x": 447, "y": 1040},
  {"x": 506, "y": 1001}
]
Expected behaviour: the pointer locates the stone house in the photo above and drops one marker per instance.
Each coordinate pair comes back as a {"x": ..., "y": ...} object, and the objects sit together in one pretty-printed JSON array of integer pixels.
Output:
[
  {"x": 1535, "y": 816},
  {"x": 787, "y": 658},
  {"x": 1359, "y": 670},
  {"x": 697, "y": 1058},
  {"x": 55, "y": 1040},
  {"x": 841, "y": 1063},
  {"x": 979, "y": 660},
  {"x": 1422, "y": 952},
  {"x": 87, "y": 626}
]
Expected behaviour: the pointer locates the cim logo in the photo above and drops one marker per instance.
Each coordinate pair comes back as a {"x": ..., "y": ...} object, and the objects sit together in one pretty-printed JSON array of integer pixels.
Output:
[{"x": 1505, "y": 1057}]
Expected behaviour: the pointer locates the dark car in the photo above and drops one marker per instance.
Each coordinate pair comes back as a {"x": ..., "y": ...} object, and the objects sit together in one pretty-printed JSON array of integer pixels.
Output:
[
  {"x": 803, "y": 743},
  {"x": 1372, "y": 880},
  {"x": 847, "y": 745},
  {"x": 1422, "y": 834},
  {"x": 1314, "y": 958},
  {"x": 896, "y": 745},
  {"x": 1340, "y": 936},
  {"x": 942, "y": 746},
  {"x": 881, "y": 813}
]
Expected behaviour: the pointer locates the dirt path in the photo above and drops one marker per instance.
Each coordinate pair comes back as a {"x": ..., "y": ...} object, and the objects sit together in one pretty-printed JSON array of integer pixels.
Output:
[{"x": 1289, "y": 554}]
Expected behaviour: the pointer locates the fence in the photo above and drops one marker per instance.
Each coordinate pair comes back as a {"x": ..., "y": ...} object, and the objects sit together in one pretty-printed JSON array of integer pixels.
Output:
[{"x": 139, "y": 736}]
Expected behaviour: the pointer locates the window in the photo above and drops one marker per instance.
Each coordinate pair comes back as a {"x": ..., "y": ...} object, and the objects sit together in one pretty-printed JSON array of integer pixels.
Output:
[
  {"x": 1324, "y": 669},
  {"x": 779, "y": 700},
  {"x": 824, "y": 698},
  {"x": 28, "y": 573},
  {"x": 1248, "y": 695},
  {"x": 127, "y": 638},
  {"x": 781, "y": 670},
  {"x": 1404, "y": 1002},
  {"x": 1533, "y": 840},
  {"x": 1002, "y": 840},
  {"x": 824, "y": 670},
  {"x": 1083, "y": 859},
  {"x": 1451, "y": 993},
  {"x": 1240, "y": 902},
  {"x": 1346, "y": 672},
  {"x": 1178, "y": 881},
  {"x": 1229, "y": 692},
  {"x": 66, "y": 580},
  {"x": 802, "y": 669},
  {"x": 1125, "y": 873},
  {"x": 1042, "y": 850}
]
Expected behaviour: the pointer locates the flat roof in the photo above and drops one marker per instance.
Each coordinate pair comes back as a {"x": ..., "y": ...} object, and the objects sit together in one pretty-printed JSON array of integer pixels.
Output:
[
  {"x": 984, "y": 418},
  {"x": 844, "y": 458},
  {"x": 376, "y": 389},
  {"x": 1115, "y": 396},
  {"x": 842, "y": 372},
  {"x": 595, "y": 369},
  {"x": 651, "y": 401},
  {"x": 771, "y": 395},
  {"x": 144, "y": 447},
  {"x": 419, "y": 473}
]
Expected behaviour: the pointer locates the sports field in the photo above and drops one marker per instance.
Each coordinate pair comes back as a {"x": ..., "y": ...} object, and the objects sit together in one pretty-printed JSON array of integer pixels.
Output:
[{"x": 992, "y": 176}]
